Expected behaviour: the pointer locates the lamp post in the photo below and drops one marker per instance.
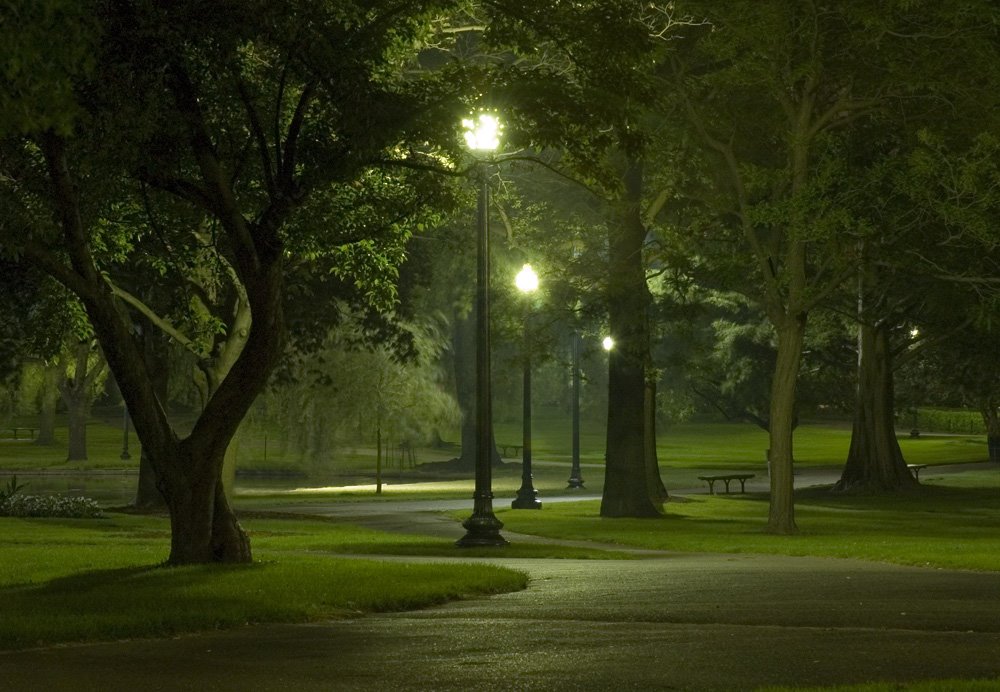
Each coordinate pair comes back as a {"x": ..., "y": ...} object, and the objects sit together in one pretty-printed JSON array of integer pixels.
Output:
[
  {"x": 482, "y": 528},
  {"x": 575, "y": 477},
  {"x": 527, "y": 497}
]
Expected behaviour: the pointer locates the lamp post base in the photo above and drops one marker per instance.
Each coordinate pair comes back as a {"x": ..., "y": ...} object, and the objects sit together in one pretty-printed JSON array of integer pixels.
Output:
[
  {"x": 575, "y": 482},
  {"x": 526, "y": 499},
  {"x": 482, "y": 530}
]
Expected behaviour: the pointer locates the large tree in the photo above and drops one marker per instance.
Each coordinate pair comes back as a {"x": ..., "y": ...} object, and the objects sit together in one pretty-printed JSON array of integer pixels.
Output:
[
  {"x": 260, "y": 119},
  {"x": 767, "y": 92}
]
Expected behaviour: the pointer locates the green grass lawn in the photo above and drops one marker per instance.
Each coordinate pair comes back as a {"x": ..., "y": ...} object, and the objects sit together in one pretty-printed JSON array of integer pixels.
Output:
[
  {"x": 99, "y": 579},
  {"x": 952, "y": 521},
  {"x": 707, "y": 446}
]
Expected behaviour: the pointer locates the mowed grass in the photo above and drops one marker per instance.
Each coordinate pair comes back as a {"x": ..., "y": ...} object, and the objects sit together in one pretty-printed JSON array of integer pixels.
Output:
[
  {"x": 705, "y": 446},
  {"x": 100, "y": 579},
  {"x": 938, "y": 525}
]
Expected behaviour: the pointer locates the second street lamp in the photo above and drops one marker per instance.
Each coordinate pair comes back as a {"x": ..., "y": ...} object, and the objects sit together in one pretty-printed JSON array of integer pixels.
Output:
[
  {"x": 483, "y": 527},
  {"x": 527, "y": 496}
]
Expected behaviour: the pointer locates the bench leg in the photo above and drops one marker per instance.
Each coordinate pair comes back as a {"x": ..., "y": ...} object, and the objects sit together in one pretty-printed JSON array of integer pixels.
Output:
[
  {"x": 726, "y": 481},
  {"x": 711, "y": 487},
  {"x": 743, "y": 485}
]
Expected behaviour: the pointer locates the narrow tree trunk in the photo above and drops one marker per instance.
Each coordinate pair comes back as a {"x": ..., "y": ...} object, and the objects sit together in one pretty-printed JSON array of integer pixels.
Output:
[
  {"x": 874, "y": 462},
  {"x": 629, "y": 486},
  {"x": 653, "y": 478},
  {"x": 991, "y": 419},
  {"x": 781, "y": 516},
  {"x": 48, "y": 401},
  {"x": 78, "y": 411}
]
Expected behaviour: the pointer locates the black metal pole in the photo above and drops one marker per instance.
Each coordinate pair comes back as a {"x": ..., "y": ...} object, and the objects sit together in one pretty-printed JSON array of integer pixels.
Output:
[
  {"x": 527, "y": 496},
  {"x": 483, "y": 528},
  {"x": 575, "y": 478}
]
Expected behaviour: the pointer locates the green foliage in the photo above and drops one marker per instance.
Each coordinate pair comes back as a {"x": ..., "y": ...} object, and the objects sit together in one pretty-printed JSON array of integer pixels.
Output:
[
  {"x": 11, "y": 489},
  {"x": 49, "y": 506},
  {"x": 47, "y": 45},
  {"x": 351, "y": 391}
]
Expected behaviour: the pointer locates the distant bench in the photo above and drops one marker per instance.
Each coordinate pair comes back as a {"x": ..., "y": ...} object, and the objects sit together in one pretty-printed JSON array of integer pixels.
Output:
[
  {"x": 505, "y": 448},
  {"x": 727, "y": 478},
  {"x": 915, "y": 470},
  {"x": 14, "y": 432}
]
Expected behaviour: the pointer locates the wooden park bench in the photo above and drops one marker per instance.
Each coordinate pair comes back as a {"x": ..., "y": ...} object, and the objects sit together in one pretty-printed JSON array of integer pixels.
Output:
[
  {"x": 915, "y": 470},
  {"x": 14, "y": 432},
  {"x": 727, "y": 478},
  {"x": 505, "y": 448}
]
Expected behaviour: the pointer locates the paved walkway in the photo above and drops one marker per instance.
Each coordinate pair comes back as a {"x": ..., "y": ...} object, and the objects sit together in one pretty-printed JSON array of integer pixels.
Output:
[{"x": 668, "y": 622}]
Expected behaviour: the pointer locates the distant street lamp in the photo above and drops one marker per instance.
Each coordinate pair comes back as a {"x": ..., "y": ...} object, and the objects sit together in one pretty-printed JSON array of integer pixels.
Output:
[
  {"x": 482, "y": 135},
  {"x": 527, "y": 497},
  {"x": 608, "y": 343},
  {"x": 575, "y": 477}
]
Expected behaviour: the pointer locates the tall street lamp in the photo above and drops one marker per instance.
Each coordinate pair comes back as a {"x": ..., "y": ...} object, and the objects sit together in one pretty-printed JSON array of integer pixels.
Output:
[
  {"x": 575, "y": 477},
  {"x": 527, "y": 497},
  {"x": 482, "y": 135}
]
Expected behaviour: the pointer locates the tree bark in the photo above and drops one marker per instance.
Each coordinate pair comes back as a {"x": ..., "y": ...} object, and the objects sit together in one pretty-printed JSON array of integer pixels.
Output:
[
  {"x": 631, "y": 487},
  {"x": 991, "y": 419},
  {"x": 77, "y": 393},
  {"x": 156, "y": 354},
  {"x": 781, "y": 515},
  {"x": 653, "y": 477},
  {"x": 48, "y": 401},
  {"x": 874, "y": 462}
]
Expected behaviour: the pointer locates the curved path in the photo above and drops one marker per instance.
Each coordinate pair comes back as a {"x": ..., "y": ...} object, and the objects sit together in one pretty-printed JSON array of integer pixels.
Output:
[
  {"x": 674, "y": 621},
  {"x": 662, "y": 622}
]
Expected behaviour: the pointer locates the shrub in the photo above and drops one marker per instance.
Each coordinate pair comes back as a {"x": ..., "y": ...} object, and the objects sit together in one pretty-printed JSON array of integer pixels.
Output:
[{"x": 12, "y": 505}]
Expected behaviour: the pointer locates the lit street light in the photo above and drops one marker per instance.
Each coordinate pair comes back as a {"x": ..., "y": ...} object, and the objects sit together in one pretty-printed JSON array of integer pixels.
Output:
[
  {"x": 527, "y": 497},
  {"x": 482, "y": 528}
]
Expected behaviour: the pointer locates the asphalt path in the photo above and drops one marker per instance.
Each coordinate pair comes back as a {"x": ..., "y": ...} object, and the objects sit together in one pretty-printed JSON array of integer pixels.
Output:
[{"x": 662, "y": 622}]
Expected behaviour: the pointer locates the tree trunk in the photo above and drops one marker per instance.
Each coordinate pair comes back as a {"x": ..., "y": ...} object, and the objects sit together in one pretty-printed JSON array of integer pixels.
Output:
[
  {"x": 77, "y": 393},
  {"x": 78, "y": 411},
  {"x": 629, "y": 486},
  {"x": 991, "y": 419},
  {"x": 874, "y": 462},
  {"x": 48, "y": 401},
  {"x": 203, "y": 527},
  {"x": 781, "y": 515},
  {"x": 653, "y": 477},
  {"x": 156, "y": 354}
]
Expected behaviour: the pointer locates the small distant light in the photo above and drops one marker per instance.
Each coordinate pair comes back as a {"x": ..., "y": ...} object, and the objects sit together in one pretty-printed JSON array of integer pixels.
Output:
[
  {"x": 608, "y": 343},
  {"x": 914, "y": 333}
]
